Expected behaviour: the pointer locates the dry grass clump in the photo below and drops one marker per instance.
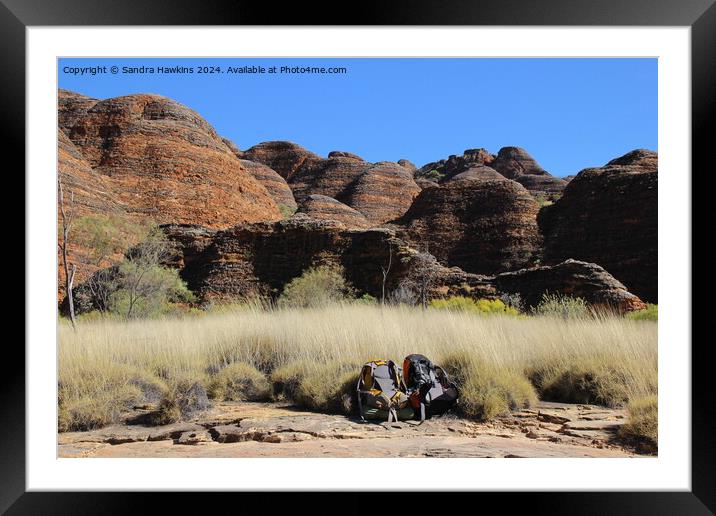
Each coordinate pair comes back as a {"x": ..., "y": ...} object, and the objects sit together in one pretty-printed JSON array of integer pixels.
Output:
[
  {"x": 487, "y": 389},
  {"x": 312, "y": 356},
  {"x": 326, "y": 387},
  {"x": 565, "y": 307},
  {"x": 96, "y": 395},
  {"x": 643, "y": 423},
  {"x": 96, "y": 409},
  {"x": 239, "y": 381},
  {"x": 185, "y": 399}
]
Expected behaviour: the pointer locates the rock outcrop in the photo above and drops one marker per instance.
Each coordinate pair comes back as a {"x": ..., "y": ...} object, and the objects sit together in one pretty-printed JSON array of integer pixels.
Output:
[
  {"x": 331, "y": 177},
  {"x": 511, "y": 162},
  {"x": 446, "y": 168},
  {"x": 344, "y": 154},
  {"x": 143, "y": 158},
  {"x": 284, "y": 157},
  {"x": 514, "y": 162},
  {"x": 92, "y": 192},
  {"x": 259, "y": 259},
  {"x": 408, "y": 165},
  {"x": 275, "y": 185},
  {"x": 322, "y": 207},
  {"x": 485, "y": 227},
  {"x": 167, "y": 163},
  {"x": 71, "y": 107},
  {"x": 609, "y": 216},
  {"x": 477, "y": 173},
  {"x": 380, "y": 191},
  {"x": 383, "y": 192},
  {"x": 573, "y": 278}
]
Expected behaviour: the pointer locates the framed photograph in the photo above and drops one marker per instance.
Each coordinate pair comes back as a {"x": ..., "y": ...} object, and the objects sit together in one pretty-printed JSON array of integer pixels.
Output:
[{"x": 429, "y": 239}]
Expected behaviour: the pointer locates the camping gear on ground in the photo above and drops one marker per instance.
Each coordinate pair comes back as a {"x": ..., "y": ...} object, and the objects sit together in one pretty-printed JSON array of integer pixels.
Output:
[
  {"x": 429, "y": 388},
  {"x": 381, "y": 392}
]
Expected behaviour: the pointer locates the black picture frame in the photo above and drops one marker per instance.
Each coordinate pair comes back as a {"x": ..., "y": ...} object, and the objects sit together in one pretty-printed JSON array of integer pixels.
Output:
[{"x": 700, "y": 15}]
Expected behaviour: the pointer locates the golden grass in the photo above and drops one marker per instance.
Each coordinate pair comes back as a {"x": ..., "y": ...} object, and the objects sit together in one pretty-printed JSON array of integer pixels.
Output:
[
  {"x": 502, "y": 362},
  {"x": 239, "y": 382},
  {"x": 643, "y": 423}
]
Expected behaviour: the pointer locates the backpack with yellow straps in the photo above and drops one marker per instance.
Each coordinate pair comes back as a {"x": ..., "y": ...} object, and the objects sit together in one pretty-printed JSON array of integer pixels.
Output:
[{"x": 381, "y": 392}]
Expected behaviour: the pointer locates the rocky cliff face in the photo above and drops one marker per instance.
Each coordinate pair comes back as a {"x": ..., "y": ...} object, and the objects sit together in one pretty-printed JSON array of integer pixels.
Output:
[
  {"x": 321, "y": 207},
  {"x": 165, "y": 162},
  {"x": 259, "y": 259},
  {"x": 454, "y": 164},
  {"x": 275, "y": 185},
  {"x": 573, "y": 278},
  {"x": 71, "y": 107},
  {"x": 511, "y": 162},
  {"x": 146, "y": 157},
  {"x": 609, "y": 215},
  {"x": 331, "y": 177},
  {"x": 379, "y": 191},
  {"x": 383, "y": 192},
  {"x": 483, "y": 227},
  {"x": 85, "y": 193},
  {"x": 284, "y": 157}
]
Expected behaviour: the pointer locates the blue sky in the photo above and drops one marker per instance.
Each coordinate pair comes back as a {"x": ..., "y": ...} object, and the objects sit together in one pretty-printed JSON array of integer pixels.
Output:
[{"x": 568, "y": 113}]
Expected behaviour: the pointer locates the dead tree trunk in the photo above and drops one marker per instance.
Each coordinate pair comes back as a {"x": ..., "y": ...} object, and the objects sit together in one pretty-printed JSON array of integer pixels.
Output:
[
  {"x": 386, "y": 271},
  {"x": 69, "y": 269}
]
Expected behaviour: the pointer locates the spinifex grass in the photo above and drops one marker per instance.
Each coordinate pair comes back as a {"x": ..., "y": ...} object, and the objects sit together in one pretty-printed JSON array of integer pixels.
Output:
[{"x": 502, "y": 362}]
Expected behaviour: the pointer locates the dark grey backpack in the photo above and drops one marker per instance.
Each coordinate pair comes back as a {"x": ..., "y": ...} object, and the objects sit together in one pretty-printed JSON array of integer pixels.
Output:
[{"x": 429, "y": 388}]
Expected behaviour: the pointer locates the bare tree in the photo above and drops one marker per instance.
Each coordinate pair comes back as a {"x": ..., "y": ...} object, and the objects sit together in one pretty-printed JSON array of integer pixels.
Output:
[
  {"x": 68, "y": 216},
  {"x": 101, "y": 285},
  {"x": 421, "y": 276},
  {"x": 424, "y": 272},
  {"x": 386, "y": 271}
]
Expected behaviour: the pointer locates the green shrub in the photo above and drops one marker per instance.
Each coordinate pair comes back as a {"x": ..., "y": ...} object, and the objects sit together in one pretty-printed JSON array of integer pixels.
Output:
[
  {"x": 643, "y": 422},
  {"x": 434, "y": 175},
  {"x": 239, "y": 381},
  {"x": 650, "y": 313},
  {"x": 479, "y": 306},
  {"x": 366, "y": 299},
  {"x": 140, "y": 286},
  {"x": 147, "y": 291},
  {"x": 317, "y": 286},
  {"x": 487, "y": 390},
  {"x": 566, "y": 307},
  {"x": 286, "y": 211}
]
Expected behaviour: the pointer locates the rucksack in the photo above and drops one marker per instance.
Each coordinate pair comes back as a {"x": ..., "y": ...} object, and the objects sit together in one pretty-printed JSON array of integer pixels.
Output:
[
  {"x": 381, "y": 392},
  {"x": 429, "y": 388}
]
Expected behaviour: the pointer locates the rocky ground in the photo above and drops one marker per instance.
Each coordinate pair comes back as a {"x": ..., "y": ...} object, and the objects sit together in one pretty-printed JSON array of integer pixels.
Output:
[{"x": 237, "y": 429}]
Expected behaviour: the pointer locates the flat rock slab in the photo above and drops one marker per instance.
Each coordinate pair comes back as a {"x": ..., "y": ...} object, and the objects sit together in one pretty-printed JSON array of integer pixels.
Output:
[
  {"x": 240, "y": 429},
  {"x": 485, "y": 446}
]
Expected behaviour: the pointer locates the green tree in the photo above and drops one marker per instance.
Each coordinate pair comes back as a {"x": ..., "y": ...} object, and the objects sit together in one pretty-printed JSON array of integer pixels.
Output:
[
  {"x": 317, "y": 286},
  {"x": 143, "y": 286}
]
